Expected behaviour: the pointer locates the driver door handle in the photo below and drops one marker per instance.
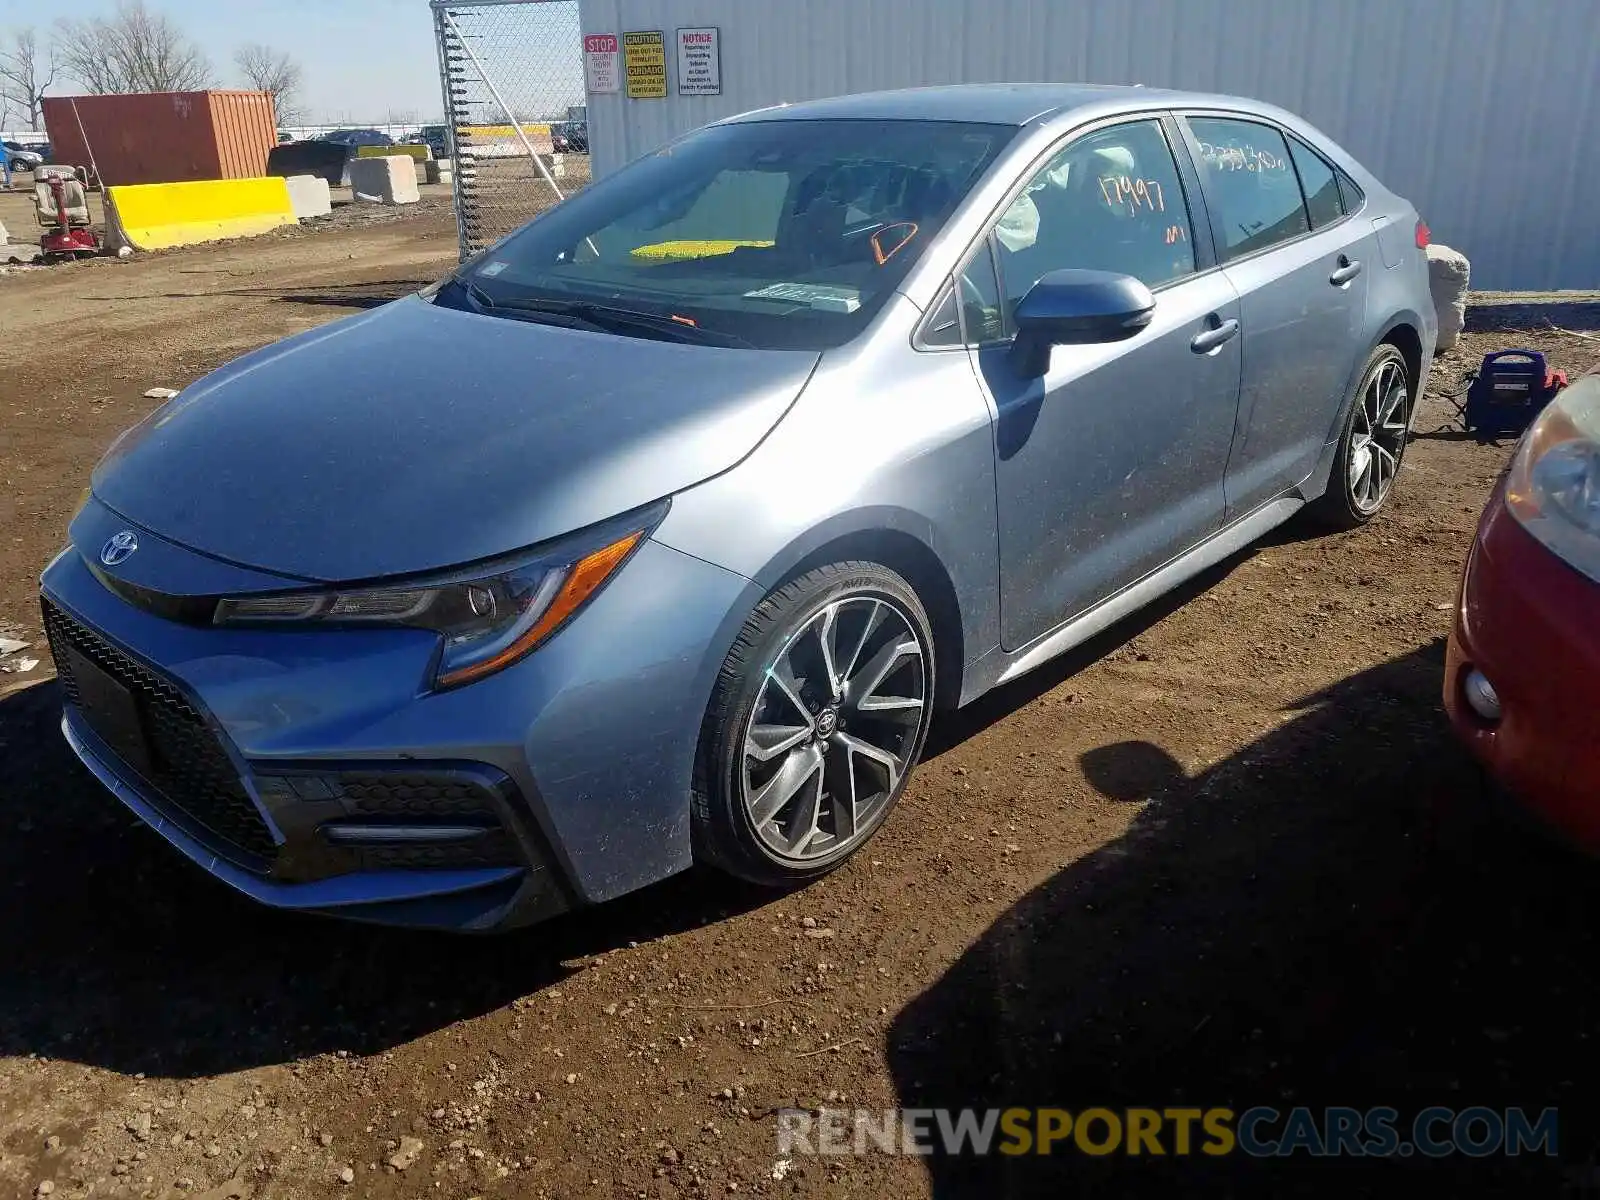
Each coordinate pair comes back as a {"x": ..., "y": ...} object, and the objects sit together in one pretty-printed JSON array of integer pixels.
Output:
[
  {"x": 1348, "y": 269},
  {"x": 1220, "y": 332}
]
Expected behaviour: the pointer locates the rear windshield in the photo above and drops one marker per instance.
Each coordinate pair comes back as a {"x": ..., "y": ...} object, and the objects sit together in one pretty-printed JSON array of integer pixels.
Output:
[{"x": 786, "y": 234}]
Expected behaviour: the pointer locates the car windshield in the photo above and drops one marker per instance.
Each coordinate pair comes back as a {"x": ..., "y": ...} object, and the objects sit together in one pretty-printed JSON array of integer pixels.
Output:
[{"x": 780, "y": 234}]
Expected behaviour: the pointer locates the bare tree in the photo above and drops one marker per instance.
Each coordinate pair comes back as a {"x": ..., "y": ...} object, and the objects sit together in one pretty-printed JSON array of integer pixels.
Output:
[
  {"x": 23, "y": 78},
  {"x": 269, "y": 70},
  {"x": 134, "y": 50}
]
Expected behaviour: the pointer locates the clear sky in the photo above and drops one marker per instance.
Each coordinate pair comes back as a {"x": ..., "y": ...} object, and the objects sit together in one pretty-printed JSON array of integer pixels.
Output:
[{"x": 363, "y": 59}]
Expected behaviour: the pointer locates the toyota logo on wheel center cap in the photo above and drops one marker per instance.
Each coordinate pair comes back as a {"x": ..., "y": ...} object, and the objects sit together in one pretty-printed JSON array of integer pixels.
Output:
[
  {"x": 119, "y": 548},
  {"x": 827, "y": 721}
]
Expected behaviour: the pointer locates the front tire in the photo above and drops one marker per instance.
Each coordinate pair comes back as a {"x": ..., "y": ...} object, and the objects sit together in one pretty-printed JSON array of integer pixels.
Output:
[
  {"x": 818, "y": 715},
  {"x": 1371, "y": 446}
]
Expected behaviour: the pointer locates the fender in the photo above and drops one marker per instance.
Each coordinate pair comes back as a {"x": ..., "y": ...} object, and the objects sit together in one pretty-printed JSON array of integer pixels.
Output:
[{"x": 964, "y": 605}]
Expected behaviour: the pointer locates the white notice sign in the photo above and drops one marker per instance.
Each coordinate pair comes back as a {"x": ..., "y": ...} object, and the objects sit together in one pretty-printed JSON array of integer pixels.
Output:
[
  {"x": 699, "y": 63},
  {"x": 600, "y": 62}
]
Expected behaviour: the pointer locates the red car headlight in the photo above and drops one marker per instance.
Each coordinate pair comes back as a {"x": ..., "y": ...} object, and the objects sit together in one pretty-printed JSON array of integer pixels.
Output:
[{"x": 1553, "y": 486}]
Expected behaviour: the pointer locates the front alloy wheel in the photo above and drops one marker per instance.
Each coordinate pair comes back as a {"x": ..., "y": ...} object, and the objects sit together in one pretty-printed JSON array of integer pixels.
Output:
[
  {"x": 820, "y": 713},
  {"x": 833, "y": 727}
]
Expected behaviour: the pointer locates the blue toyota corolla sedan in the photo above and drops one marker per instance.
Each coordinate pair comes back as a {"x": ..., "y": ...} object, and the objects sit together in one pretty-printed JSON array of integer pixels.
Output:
[{"x": 744, "y": 461}]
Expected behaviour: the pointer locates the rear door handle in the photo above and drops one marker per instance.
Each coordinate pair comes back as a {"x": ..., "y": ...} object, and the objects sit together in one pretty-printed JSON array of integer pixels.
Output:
[
  {"x": 1205, "y": 343},
  {"x": 1348, "y": 270}
]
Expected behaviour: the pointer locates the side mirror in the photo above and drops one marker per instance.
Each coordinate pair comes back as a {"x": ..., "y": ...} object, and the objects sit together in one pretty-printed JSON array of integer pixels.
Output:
[{"x": 1075, "y": 308}]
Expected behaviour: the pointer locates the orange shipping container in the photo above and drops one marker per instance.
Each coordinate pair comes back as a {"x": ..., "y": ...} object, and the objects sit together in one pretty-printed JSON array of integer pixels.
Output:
[{"x": 164, "y": 137}]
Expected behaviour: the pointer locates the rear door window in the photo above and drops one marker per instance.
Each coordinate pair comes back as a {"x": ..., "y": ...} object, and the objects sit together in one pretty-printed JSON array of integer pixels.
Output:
[{"x": 1250, "y": 183}]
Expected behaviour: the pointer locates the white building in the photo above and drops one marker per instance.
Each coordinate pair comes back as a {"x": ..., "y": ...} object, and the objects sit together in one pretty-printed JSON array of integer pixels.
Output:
[{"x": 1479, "y": 111}]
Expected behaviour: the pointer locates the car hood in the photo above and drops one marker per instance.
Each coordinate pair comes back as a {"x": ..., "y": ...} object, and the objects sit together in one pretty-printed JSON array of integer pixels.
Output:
[{"x": 416, "y": 437}]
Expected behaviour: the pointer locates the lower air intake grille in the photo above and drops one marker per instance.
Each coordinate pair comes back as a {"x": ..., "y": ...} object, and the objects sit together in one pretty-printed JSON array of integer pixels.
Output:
[{"x": 188, "y": 773}]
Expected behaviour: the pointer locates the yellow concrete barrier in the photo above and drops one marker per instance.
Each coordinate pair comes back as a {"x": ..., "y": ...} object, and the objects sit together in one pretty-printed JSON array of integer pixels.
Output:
[
  {"x": 409, "y": 149},
  {"x": 155, "y": 216},
  {"x": 539, "y": 129}
]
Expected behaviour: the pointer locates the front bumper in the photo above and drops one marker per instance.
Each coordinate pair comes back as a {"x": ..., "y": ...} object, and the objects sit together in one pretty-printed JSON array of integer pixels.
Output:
[
  {"x": 576, "y": 762},
  {"x": 1525, "y": 619}
]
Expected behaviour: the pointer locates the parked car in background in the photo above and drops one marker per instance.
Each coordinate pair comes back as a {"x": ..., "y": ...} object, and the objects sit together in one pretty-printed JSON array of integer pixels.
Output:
[
  {"x": 357, "y": 137},
  {"x": 1522, "y": 672},
  {"x": 24, "y": 158},
  {"x": 570, "y": 137},
  {"x": 751, "y": 455},
  {"x": 436, "y": 138}
]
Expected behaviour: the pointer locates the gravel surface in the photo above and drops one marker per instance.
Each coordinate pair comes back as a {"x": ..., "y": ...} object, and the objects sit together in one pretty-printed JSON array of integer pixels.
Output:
[{"x": 1225, "y": 855}]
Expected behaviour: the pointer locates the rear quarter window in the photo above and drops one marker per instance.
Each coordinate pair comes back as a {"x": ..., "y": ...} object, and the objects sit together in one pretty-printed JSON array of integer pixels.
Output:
[
  {"x": 1352, "y": 195},
  {"x": 1324, "y": 203}
]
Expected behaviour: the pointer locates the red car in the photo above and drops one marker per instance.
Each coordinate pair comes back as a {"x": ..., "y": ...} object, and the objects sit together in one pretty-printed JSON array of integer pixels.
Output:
[{"x": 1522, "y": 675}]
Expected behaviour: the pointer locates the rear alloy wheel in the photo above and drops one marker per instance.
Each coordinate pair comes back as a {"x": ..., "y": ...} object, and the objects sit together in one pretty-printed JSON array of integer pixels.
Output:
[
  {"x": 1373, "y": 443},
  {"x": 819, "y": 714}
]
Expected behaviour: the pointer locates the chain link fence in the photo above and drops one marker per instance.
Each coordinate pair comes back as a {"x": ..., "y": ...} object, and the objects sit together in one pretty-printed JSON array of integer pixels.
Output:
[{"x": 512, "y": 72}]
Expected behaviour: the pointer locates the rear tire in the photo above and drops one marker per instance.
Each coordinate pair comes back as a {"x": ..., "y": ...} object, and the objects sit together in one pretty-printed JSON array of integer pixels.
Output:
[
  {"x": 1371, "y": 445},
  {"x": 818, "y": 715}
]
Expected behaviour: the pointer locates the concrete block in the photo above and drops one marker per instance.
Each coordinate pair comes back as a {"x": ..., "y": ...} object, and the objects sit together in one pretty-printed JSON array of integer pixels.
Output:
[
  {"x": 391, "y": 179},
  {"x": 309, "y": 196},
  {"x": 435, "y": 172},
  {"x": 1449, "y": 273}
]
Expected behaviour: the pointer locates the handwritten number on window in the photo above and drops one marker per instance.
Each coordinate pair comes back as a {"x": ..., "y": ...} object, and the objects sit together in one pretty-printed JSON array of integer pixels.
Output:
[
  {"x": 1241, "y": 158},
  {"x": 1121, "y": 191}
]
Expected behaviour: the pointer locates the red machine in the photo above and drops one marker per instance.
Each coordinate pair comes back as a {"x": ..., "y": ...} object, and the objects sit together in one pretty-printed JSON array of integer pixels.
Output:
[{"x": 63, "y": 210}]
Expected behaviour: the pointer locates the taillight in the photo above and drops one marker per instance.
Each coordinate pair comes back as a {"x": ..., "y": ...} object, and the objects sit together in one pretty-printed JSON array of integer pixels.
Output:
[{"x": 1424, "y": 235}]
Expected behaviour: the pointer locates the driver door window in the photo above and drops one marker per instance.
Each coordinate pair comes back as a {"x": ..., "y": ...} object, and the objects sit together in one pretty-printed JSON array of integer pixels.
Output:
[{"x": 1111, "y": 201}]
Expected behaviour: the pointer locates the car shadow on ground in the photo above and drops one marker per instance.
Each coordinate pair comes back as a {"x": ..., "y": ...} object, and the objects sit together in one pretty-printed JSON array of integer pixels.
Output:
[
  {"x": 336, "y": 299},
  {"x": 121, "y": 954},
  {"x": 1334, "y": 915}
]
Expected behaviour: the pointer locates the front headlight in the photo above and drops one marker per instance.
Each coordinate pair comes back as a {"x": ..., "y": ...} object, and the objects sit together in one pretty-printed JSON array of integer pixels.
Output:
[
  {"x": 1553, "y": 486},
  {"x": 487, "y": 618}
]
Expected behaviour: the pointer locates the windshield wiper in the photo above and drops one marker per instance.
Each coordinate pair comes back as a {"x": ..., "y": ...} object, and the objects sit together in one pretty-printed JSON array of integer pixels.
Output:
[
  {"x": 615, "y": 320},
  {"x": 518, "y": 311},
  {"x": 476, "y": 294},
  {"x": 596, "y": 317}
]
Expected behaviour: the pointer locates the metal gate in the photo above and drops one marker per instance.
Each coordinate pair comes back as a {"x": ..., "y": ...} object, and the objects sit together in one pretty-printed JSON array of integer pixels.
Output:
[{"x": 510, "y": 71}]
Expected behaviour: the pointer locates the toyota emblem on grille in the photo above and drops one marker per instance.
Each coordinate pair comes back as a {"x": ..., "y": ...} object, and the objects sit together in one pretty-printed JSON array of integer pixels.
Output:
[{"x": 119, "y": 548}]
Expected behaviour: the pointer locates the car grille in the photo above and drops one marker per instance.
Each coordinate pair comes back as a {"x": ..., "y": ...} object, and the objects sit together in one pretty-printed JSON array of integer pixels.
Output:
[
  {"x": 403, "y": 794},
  {"x": 494, "y": 849},
  {"x": 190, "y": 774}
]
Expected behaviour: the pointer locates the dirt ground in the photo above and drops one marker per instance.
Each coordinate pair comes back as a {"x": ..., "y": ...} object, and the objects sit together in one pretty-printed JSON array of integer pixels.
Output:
[{"x": 1227, "y": 855}]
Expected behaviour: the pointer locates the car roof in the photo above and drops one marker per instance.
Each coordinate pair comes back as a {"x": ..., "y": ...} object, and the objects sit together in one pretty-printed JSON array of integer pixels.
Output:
[{"x": 988, "y": 103}]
